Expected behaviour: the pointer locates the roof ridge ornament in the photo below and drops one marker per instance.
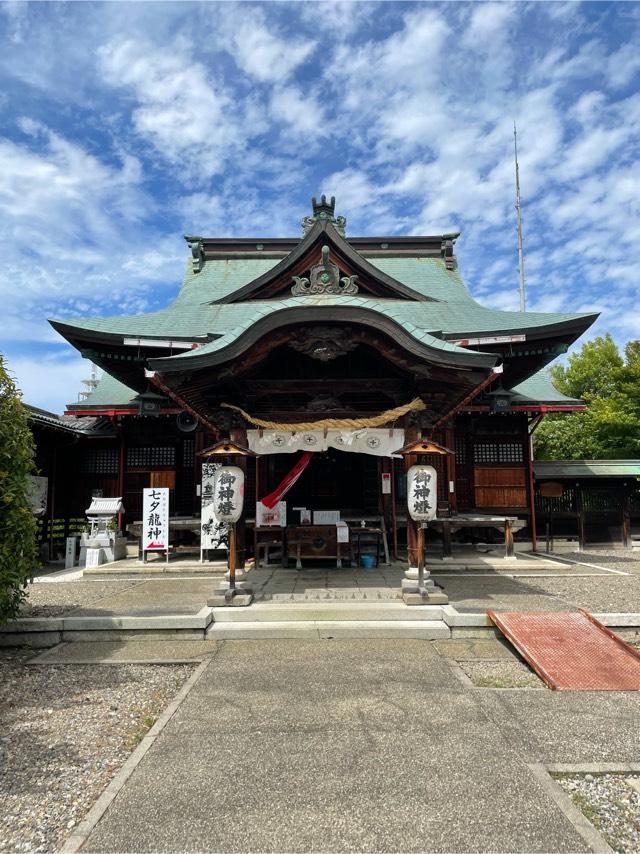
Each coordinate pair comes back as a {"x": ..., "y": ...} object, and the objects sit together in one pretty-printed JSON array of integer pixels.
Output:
[
  {"x": 324, "y": 211},
  {"x": 197, "y": 251},
  {"x": 324, "y": 278}
]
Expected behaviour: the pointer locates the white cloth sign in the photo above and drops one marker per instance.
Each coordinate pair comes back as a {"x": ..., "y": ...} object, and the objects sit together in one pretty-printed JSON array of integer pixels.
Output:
[
  {"x": 381, "y": 442},
  {"x": 155, "y": 519},
  {"x": 213, "y": 534}
]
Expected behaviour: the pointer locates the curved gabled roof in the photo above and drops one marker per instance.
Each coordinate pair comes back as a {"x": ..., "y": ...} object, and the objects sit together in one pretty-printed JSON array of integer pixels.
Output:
[{"x": 277, "y": 314}]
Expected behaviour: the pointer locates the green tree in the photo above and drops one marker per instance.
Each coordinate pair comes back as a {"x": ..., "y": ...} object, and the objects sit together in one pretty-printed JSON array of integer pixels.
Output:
[
  {"x": 591, "y": 372},
  {"x": 18, "y": 549},
  {"x": 610, "y": 385}
]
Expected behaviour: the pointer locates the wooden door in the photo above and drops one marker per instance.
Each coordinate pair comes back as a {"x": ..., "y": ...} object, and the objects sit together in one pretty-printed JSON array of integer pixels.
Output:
[
  {"x": 163, "y": 479},
  {"x": 500, "y": 486}
]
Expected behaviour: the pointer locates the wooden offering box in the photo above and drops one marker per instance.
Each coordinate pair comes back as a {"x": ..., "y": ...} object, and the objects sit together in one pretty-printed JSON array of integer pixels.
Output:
[{"x": 315, "y": 542}]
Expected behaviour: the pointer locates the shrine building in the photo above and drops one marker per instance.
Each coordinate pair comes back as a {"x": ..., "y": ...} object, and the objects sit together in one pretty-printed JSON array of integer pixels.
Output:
[{"x": 345, "y": 347}]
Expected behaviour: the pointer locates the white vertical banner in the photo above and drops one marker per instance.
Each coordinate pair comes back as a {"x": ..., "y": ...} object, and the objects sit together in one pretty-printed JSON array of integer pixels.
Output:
[
  {"x": 155, "y": 519},
  {"x": 213, "y": 534}
]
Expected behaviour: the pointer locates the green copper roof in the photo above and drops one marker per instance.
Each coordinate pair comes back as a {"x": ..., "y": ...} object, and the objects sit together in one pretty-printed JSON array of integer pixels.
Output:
[
  {"x": 193, "y": 314},
  {"x": 551, "y": 469},
  {"x": 109, "y": 392},
  {"x": 540, "y": 389}
]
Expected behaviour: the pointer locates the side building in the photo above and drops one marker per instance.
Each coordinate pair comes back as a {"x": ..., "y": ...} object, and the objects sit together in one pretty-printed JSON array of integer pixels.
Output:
[{"x": 270, "y": 342}]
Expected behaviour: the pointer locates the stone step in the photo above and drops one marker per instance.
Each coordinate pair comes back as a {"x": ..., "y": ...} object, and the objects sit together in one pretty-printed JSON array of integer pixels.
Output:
[
  {"x": 269, "y": 612},
  {"x": 326, "y": 629}
]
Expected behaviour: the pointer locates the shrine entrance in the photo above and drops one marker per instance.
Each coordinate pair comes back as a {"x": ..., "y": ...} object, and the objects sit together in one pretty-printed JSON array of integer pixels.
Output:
[
  {"x": 333, "y": 480},
  {"x": 333, "y": 515}
]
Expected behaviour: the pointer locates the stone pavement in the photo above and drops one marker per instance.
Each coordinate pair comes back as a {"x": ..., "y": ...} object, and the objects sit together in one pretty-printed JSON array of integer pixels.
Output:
[{"x": 359, "y": 746}]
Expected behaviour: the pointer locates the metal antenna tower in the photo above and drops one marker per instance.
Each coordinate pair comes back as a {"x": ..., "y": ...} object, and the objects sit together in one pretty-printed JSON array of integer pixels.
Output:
[
  {"x": 523, "y": 302},
  {"x": 91, "y": 382}
]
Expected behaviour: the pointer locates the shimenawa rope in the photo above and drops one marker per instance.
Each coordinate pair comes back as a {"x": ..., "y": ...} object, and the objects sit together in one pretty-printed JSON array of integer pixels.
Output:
[{"x": 333, "y": 423}]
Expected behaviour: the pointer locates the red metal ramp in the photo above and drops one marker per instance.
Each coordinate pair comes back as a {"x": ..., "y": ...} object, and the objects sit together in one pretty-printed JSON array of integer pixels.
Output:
[{"x": 571, "y": 651}]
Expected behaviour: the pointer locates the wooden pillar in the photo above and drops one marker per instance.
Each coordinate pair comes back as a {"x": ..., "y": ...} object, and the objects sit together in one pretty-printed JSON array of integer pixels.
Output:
[
  {"x": 626, "y": 518},
  {"x": 450, "y": 442},
  {"x": 580, "y": 509},
  {"x": 532, "y": 494},
  {"x": 52, "y": 498},
  {"x": 413, "y": 546},
  {"x": 394, "y": 510},
  {"x": 239, "y": 436},
  {"x": 121, "y": 474}
]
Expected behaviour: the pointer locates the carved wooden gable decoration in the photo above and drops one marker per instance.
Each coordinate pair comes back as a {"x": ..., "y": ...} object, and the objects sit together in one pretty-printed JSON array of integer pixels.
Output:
[
  {"x": 324, "y": 263},
  {"x": 324, "y": 278}
]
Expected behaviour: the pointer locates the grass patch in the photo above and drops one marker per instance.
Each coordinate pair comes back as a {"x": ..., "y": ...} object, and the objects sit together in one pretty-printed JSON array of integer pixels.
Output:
[{"x": 583, "y": 804}]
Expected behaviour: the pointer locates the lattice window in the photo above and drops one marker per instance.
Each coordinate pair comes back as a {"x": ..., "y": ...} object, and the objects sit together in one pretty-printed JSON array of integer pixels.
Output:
[
  {"x": 461, "y": 450},
  {"x": 498, "y": 452},
  {"x": 151, "y": 457},
  {"x": 188, "y": 453},
  {"x": 102, "y": 461}
]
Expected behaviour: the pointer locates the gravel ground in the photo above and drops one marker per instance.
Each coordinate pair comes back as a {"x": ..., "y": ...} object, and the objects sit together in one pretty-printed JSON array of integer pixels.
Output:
[
  {"x": 48, "y": 599},
  {"x": 622, "y": 559},
  {"x": 599, "y": 593},
  {"x": 611, "y": 802},
  {"x": 65, "y": 730},
  {"x": 501, "y": 673}
]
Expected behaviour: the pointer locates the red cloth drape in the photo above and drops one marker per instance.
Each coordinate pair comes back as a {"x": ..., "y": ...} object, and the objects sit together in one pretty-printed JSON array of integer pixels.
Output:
[{"x": 287, "y": 481}]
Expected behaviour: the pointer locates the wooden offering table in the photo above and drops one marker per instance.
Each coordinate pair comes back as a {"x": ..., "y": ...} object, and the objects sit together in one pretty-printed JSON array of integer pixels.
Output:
[
  {"x": 450, "y": 524},
  {"x": 315, "y": 542}
]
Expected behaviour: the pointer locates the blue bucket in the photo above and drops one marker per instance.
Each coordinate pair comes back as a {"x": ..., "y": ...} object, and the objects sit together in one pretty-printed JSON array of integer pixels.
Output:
[{"x": 367, "y": 561}]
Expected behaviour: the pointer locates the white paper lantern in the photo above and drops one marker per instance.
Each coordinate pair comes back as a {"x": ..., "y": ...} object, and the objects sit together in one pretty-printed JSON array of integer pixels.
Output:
[
  {"x": 228, "y": 491},
  {"x": 422, "y": 493}
]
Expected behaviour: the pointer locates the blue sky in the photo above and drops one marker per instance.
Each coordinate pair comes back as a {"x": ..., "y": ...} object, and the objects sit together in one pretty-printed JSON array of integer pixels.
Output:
[{"x": 125, "y": 125}]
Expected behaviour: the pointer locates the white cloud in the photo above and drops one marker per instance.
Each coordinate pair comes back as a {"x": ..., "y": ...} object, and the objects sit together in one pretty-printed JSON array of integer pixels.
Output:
[
  {"x": 488, "y": 21},
  {"x": 302, "y": 113},
  {"x": 50, "y": 381},
  {"x": 186, "y": 115},
  {"x": 259, "y": 48},
  {"x": 623, "y": 65}
]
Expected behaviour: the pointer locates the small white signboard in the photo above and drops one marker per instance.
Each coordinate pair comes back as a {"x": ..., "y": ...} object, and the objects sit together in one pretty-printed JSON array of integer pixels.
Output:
[
  {"x": 326, "y": 517},
  {"x": 277, "y": 516},
  {"x": 155, "y": 520},
  {"x": 342, "y": 531}
]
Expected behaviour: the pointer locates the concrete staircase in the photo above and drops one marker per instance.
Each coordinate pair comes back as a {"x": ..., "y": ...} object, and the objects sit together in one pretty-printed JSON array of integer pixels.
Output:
[{"x": 334, "y": 619}]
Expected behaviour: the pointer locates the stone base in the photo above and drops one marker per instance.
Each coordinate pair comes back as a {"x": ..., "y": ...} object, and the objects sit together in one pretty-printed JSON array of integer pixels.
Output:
[
  {"x": 240, "y": 600},
  {"x": 429, "y": 597},
  {"x": 411, "y": 583}
]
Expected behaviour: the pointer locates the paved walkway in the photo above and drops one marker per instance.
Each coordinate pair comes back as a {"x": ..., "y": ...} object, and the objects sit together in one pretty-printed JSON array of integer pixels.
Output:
[{"x": 359, "y": 746}]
